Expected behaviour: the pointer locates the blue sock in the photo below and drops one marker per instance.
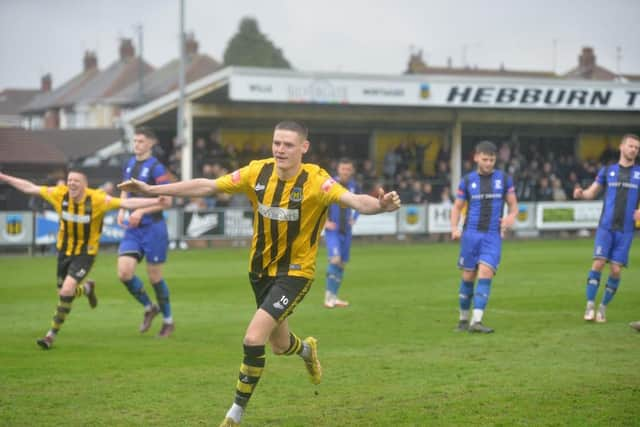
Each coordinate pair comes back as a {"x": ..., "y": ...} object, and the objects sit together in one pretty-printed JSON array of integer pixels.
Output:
[
  {"x": 593, "y": 282},
  {"x": 481, "y": 296},
  {"x": 465, "y": 294},
  {"x": 334, "y": 276},
  {"x": 162, "y": 294},
  {"x": 610, "y": 291},
  {"x": 340, "y": 275},
  {"x": 136, "y": 288}
]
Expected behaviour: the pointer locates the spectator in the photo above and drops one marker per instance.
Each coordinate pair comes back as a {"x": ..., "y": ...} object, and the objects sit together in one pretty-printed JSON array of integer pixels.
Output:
[
  {"x": 446, "y": 197},
  {"x": 420, "y": 150},
  {"x": 403, "y": 190},
  {"x": 389, "y": 164},
  {"x": 366, "y": 175},
  {"x": 558, "y": 193},
  {"x": 571, "y": 183},
  {"x": 416, "y": 194},
  {"x": 544, "y": 192},
  {"x": 428, "y": 194}
]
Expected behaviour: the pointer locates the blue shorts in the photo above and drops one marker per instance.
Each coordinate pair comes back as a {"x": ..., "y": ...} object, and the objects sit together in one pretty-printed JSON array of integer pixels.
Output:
[
  {"x": 338, "y": 244},
  {"x": 613, "y": 246},
  {"x": 479, "y": 248},
  {"x": 150, "y": 241}
]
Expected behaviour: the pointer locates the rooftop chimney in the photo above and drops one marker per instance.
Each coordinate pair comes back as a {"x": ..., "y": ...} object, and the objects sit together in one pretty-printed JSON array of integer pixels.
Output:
[
  {"x": 126, "y": 49},
  {"x": 190, "y": 45},
  {"x": 46, "y": 83},
  {"x": 90, "y": 61},
  {"x": 587, "y": 59}
]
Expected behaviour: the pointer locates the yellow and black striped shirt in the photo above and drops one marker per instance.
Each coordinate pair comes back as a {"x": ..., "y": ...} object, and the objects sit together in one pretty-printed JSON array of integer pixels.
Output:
[
  {"x": 80, "y": 222},
  {"x": 288, "y": 215}
]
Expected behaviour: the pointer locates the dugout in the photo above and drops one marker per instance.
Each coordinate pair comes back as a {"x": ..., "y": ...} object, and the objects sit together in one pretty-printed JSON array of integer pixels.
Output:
[{"x": 366, "y": 115}]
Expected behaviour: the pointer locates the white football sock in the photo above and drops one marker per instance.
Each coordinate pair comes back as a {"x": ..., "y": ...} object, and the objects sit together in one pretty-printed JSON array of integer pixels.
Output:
[
  {"x": 306, "y": 351},
  {"x": 235, "y": 412},
  {"x": 477, "y": 315}
]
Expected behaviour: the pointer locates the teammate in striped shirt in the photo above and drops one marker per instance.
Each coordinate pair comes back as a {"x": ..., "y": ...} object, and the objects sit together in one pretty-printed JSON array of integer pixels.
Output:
[{"x": 81, "y": 210}]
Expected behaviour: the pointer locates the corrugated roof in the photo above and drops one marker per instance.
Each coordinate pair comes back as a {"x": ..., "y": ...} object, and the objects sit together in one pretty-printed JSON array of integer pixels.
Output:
[
  {"x": 594, "y": 72},
  {"x": 165, "y": 79},
  {"x": 12, "y": 100},
  {"x": 17, "y": 146},
  {"x": 481, "y": 72},
  {"x": 90, "y": 86},
  {"x": 52, "y": 145},
  {"x": 417, "y": 65},
  {"x": 109, "y": 81},
  {"x": 58, "y": 97}
]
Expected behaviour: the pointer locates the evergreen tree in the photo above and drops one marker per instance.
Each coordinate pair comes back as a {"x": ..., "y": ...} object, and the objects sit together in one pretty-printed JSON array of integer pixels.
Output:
[{"x": 249, "y": 47}]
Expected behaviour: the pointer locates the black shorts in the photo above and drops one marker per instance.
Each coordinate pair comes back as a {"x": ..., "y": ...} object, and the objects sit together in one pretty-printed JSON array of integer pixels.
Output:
[
  {"x": 76, "y": 266},
  {"x": 278, "y": 296}
]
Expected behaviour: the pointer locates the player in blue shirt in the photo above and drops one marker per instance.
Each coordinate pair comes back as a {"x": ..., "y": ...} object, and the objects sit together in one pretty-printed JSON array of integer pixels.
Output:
[
  {"x": 484, "y": 192},
  {"x": 146, "y": 235},
  {"x": 617, "y": 223},
  {"x": 337, "y": 235}
]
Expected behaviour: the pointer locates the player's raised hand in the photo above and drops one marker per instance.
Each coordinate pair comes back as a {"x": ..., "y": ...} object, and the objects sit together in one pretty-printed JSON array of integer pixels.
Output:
[
  {"x": 577, "y": 193},
  {"x": 134, "y": 186},
  {"x": 389, "y": 202}
]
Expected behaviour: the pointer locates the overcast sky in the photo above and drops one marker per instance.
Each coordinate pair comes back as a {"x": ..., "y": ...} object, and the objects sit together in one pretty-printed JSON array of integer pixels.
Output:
[{"x": 365, "y": 36}]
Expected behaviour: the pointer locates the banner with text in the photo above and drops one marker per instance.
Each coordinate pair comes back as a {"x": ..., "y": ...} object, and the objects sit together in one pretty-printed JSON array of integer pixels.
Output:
[
  {"x": 439, "y": 215},
  {"x": 435, "y": 91},
  {"x": 567, "y": 216}
]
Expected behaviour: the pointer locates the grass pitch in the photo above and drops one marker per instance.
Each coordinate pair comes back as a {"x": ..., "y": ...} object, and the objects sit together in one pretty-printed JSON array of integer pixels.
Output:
[{"x": 391, "y": 359}]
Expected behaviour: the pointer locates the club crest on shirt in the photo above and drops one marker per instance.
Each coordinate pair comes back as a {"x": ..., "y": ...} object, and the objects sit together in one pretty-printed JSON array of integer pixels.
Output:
[
  {"x": 636, "y": 175},
  {"x": 326, "y": 186},
  {"x": 498, "y": 184},
  {"x": 296, "y": 194}
]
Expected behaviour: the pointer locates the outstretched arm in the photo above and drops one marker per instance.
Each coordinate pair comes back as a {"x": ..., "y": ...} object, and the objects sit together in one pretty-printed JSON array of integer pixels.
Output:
[
  {"x": 198, "y": 187},
  {"x": 365, "y": 204},
  {"x": 141, "y": 202},
  {"x": 20, "y": 184}
]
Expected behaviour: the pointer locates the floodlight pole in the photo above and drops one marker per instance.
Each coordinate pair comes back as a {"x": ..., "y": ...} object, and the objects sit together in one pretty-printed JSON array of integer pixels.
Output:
[{"x": 184, "y": 141}]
